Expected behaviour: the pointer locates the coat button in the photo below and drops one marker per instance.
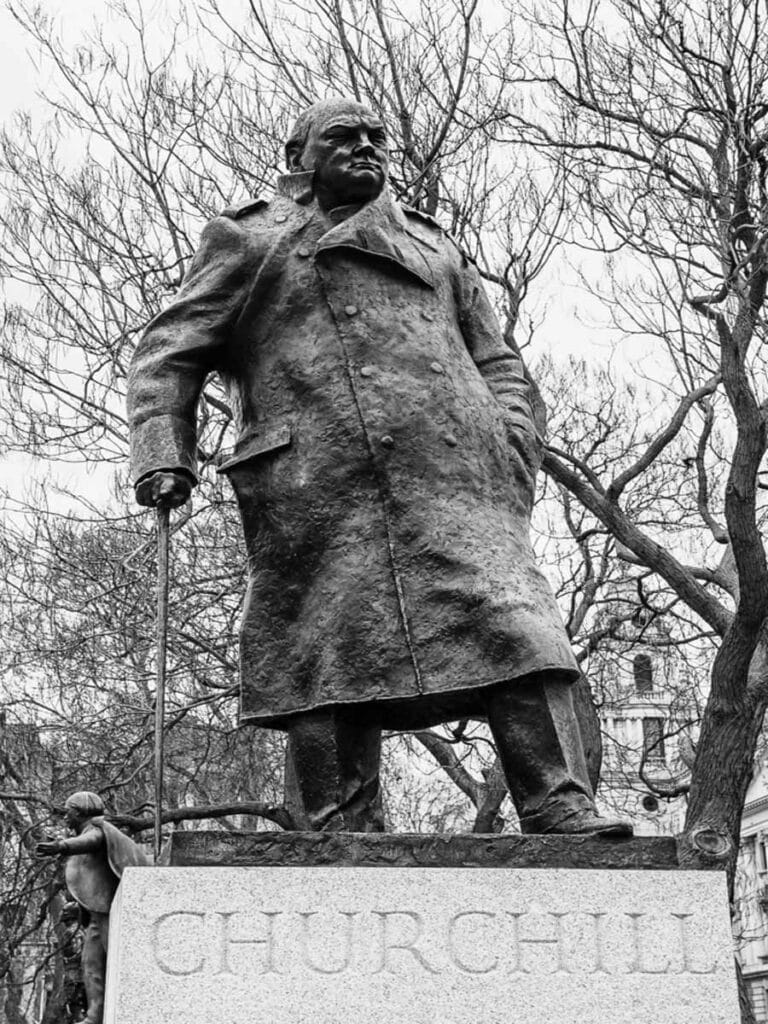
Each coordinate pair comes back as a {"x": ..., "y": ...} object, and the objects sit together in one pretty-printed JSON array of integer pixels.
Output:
[
  {"x": 281, "y": 218},
  {"x": 427, "y": 316},
  {"x": 450, "y": 440},
  {"x": 387, "y": 441},
  {"x": 350, "y": 310},
  {"x": 436, "y": 368},
  {"x": 304, "y": 253},
  {"x": 366, "y": 371}
]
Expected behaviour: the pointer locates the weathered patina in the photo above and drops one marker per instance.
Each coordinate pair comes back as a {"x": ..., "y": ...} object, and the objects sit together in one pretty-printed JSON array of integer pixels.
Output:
[
  {"x": 384, "y": 471},
  {"x": 385, "y": 461}
]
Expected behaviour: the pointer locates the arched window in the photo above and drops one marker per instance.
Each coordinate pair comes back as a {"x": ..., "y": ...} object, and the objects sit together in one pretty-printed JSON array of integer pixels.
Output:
[{"x": 643, "y": 670}]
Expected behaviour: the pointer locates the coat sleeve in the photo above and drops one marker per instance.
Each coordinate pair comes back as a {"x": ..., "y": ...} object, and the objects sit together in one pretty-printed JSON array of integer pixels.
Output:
[
  {"x": 500, "y": 365},
  {"x": 502, "y": 369},
  {"x": 180, "y": 347},
  {"x": 89, "y": 841}
]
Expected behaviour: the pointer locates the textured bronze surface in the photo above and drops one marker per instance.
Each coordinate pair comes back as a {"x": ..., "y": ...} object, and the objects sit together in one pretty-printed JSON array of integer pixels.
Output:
[
  {"x": 385, "y": 466},
  {"x": 386, "y": 459},
  {"x": 340, "y": 849}
]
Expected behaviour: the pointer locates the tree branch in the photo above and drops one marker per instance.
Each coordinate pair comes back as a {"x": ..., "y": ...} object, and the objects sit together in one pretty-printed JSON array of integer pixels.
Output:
[
  {"x": 662, "y": 439},
  {"x": 279, "y": 815},
  {"x": 649, "y": 552}
]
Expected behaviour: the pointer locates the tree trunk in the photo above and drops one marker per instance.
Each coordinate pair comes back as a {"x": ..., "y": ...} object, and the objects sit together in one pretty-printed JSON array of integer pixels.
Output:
[
  {"x": 589, "y": 727},
  {"x": 721, "y": 774}
]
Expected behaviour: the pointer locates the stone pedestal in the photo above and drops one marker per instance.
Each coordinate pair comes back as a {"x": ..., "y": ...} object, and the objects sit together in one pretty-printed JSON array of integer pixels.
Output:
[{"x": 364, "y": 933}]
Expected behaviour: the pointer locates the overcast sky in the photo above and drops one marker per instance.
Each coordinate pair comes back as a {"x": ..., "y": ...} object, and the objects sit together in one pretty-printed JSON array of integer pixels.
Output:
[{"x": 19, "y": 79}]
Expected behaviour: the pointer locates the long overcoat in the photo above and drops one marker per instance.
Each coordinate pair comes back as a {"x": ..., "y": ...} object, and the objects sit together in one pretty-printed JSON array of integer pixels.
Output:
[{"x": 385, "y": 463}]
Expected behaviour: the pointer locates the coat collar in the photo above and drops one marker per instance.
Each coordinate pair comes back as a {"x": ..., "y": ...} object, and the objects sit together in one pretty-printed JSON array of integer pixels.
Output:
[
  {"x": 378, "y": 229},
  {"x": 297, "y": 186}
]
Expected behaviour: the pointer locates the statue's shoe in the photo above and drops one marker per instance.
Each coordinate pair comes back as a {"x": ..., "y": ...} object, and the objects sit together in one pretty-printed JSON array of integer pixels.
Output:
[{"x": 582, "y": 822}]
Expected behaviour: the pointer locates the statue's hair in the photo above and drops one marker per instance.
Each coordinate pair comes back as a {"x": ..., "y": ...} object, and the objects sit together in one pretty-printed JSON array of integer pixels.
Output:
[
  {"x": 297, "y": 140},
  {"x": 85, "y": 802}
]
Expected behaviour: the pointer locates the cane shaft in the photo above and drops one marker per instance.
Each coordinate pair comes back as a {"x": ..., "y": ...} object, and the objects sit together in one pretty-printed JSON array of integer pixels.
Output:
[{"x": 163, "y": 543}]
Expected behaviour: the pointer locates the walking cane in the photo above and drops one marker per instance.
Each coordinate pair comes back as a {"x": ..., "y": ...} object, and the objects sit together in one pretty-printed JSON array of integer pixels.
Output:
[{"x": 163, "y": 543}]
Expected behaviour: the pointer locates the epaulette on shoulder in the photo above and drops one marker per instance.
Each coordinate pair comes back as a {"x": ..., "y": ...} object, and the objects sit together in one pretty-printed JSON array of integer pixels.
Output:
[
  {"x": 238, "y": 210},
  {"x": 426, "y": 218}
]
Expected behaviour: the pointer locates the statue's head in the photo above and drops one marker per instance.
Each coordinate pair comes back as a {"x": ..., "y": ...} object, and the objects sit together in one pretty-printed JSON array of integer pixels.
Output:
[
  {"x": 345, "y": 144},
  {"x": 82, "y": 805}
]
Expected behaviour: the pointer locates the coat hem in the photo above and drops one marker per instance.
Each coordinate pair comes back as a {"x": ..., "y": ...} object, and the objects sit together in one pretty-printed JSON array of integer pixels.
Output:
[{"x": 417, "y": 703}]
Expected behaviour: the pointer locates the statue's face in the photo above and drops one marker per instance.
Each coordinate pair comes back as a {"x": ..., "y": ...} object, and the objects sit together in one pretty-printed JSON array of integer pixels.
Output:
[
  {"x": 72, "y": 816},
  {"x": 347, "y": 150}
]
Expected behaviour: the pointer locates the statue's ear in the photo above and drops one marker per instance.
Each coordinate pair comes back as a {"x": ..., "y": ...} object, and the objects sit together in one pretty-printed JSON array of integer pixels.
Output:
[{"x": 293, "y": 156}]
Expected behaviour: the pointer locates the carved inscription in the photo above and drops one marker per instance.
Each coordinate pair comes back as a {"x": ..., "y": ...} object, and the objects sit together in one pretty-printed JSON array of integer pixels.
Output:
[
  {"x": 263, "y": 945},
  {"x": 402, "y": 942},
  {"x": 180, "y": 963},
  {"x": 405, "y": 941},
  {"x": 461, "y": 961},
  {"x": 311, "y": 944}
]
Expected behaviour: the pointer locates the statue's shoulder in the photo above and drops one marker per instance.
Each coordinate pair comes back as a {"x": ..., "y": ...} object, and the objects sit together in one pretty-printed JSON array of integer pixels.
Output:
[
  {"x": 239, "y": 210},
  {"x": 423, "y": 219},
  {"x": 436, "y": 232},
  {"x": 425, "y": 228},
  {"x": 122, "y": 851},
  {"x": 94, "y": 826}
]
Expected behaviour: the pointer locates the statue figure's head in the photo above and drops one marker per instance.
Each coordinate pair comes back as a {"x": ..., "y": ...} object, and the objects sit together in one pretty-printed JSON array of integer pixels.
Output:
[
  {"x": 81, "y": 806},
  {"x": 345, "y": 144}
]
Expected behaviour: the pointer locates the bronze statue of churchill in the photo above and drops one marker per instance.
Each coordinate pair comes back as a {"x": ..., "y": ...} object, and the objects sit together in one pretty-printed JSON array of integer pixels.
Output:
[{"x": 384, "y": 471}]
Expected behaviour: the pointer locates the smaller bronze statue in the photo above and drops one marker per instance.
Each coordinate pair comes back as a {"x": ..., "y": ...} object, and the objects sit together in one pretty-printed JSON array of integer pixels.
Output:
[{"x": 97, "y": 855}]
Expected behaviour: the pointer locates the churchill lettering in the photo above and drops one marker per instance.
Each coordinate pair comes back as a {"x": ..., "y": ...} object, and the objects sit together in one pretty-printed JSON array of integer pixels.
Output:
[
  {"x": 599, "y": 961},
  {"x": 543, "y": 930},
  {"x": 403, "y": 938},
  {"x": 456, "y": 926},
  {"x": 310, "y": 942},
  {"x": 403, "y": 942},
  {"x": 166, "y": 930},
  {"x": 264, "y": 943}
]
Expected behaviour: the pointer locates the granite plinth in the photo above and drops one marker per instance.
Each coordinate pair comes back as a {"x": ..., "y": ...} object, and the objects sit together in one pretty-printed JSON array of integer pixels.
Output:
[{"x": 373, "y": 944}]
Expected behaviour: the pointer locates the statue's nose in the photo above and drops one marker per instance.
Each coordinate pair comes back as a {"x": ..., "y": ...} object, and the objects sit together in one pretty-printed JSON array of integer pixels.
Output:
[{"x": 364, "y": 145}]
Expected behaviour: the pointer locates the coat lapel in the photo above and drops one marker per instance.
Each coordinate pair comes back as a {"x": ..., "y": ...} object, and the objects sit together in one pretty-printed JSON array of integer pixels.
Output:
[{"x": 378, "y": 230}]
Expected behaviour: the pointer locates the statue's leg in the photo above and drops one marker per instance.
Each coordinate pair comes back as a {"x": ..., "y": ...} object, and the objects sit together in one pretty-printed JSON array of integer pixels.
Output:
[
  {"x": 537, "y": 736},
  {"x": 336, "y": 758},
  {"x": 94, "y": 964}
]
